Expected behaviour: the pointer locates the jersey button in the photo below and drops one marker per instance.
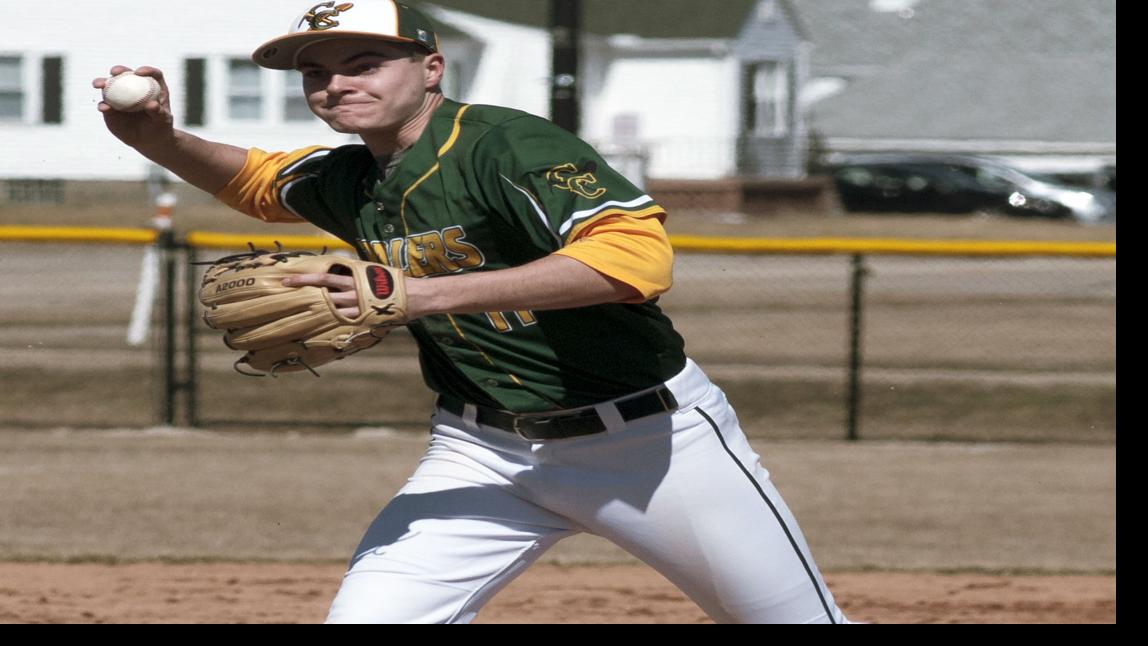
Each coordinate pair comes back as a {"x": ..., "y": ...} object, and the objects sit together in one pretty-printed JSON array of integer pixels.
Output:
[
  {"x": 491, "y": 383},
  {"x": 446, "y": 340}
]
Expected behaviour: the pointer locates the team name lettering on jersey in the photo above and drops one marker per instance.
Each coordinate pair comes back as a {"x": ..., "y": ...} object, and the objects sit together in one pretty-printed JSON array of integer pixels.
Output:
[
  {"x": 438, "y": 253},
  {"x": 434, "y": 253}
]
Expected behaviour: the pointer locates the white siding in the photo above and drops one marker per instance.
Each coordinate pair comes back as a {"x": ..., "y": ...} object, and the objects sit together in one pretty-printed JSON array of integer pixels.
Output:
[
  {"x": 92, "y": 37},
  {"x": 685, "y": 103},
  {"x": 515, "y": 66},
  {"x": 686, "y": 109}
]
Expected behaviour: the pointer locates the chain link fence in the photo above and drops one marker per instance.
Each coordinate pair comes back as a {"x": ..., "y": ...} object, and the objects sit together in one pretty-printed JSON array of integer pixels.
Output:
[{"x": 950, "y": 348}]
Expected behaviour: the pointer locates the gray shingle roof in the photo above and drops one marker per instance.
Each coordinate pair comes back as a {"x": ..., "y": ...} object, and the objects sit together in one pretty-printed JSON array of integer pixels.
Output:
[
  {"x": 648, "y": 18},
  {"x": 1040, "y": 70}
]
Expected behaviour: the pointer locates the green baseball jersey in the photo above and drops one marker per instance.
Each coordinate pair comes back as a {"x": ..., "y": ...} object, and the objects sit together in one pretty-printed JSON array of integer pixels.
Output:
[{"x": 487, "y": 188}]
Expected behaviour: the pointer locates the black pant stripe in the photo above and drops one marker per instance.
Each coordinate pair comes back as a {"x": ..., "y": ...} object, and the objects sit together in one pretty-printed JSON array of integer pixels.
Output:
[{"x": 780, "y": 521}]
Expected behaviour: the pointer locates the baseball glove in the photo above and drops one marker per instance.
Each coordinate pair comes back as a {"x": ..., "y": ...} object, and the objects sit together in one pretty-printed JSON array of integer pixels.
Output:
[{"x": 290, "y": 329}]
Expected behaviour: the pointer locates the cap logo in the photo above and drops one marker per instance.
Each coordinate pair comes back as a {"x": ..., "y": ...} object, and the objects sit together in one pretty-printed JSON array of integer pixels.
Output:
[{"x": 322, "y": 16}]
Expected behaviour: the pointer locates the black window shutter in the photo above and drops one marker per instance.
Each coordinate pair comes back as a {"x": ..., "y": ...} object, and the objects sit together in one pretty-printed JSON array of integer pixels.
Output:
[
  {"x": 195, "y": 91},
  {"x": 53, "y": 86},
  {"x": 748, "y": 98}
]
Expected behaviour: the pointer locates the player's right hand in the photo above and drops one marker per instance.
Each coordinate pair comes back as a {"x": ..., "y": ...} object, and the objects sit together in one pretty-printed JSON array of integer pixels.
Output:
[
  {"x": 340, "y": 289},
  {"x": 148, "y": 127}
]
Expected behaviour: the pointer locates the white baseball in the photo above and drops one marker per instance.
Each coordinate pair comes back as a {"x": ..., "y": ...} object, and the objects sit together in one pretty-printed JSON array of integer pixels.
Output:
[{"x": 128, "y": 92}]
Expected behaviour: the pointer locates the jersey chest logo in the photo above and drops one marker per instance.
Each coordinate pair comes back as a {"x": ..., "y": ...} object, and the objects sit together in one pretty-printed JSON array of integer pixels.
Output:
[{"x": 568, "y": 177}]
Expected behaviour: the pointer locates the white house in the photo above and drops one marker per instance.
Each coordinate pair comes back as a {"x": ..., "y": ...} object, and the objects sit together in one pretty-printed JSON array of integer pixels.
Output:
[
  {"x": 707, "y": 91},
  {"x": 725, "y": 92},
  {"x": 49, "y": 124},
  {"x": 656, "y": 75}
]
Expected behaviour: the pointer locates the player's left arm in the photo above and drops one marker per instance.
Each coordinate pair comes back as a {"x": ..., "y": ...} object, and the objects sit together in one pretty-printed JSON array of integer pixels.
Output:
[
  {"x": 621, "y": 259},
  {"x": 556, "y": 281},
  {"x": 629, "y": 248}
]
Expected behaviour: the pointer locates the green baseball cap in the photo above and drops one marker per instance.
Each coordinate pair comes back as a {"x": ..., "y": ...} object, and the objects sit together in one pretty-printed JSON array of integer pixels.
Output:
[{"x": 382, "y": 19}]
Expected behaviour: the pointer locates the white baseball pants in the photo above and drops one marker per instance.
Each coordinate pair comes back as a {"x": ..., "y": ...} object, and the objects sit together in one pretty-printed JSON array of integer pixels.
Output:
[{"x": 682, "y": 491}]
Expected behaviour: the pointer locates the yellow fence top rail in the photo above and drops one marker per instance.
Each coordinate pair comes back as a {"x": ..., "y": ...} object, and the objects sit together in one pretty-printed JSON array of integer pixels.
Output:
[
  {"x": 211, "y": 240},
  {"x": 874, "y": 246},
  {"x": 878, "y": 246},
  {"x": 77, "y": 234},
  {"x": 751, "y": 245}
]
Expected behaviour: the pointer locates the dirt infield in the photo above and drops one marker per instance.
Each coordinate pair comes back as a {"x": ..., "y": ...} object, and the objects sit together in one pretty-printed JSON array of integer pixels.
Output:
[
  {"x": 300, "y": 593},
  {"x": 177, "y": 526}
]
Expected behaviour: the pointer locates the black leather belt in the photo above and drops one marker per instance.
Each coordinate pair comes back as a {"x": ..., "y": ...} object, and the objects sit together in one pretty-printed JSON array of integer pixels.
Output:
[{"x": 584, "y": 421}]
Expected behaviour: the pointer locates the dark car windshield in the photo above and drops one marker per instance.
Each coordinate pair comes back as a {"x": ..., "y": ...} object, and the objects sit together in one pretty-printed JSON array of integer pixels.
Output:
[
  {"x": 989, "y": 173},
  {"x": 985, "y": 177}
]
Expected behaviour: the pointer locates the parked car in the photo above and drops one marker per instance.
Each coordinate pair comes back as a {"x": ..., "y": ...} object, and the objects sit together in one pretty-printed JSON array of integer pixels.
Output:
[{"x": 962, "y": 184}]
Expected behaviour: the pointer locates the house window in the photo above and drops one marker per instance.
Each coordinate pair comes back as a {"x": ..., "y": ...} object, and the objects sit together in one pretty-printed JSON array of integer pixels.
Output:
[
  {"x": 295, "y": 109},
  {"x": 244, "y": 90},
  {"x": 767, "y": 11},
  {"x": 767, "y": 99},
  {"x": 294, "y": 102},
  {"x": 11, "y": 88}
]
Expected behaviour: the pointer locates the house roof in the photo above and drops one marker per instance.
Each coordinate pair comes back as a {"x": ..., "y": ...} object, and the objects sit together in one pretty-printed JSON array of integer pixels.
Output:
[
  {"x": 1036, "y": 70},
  {"x": 1018, "y": 70},
  {"x": 646, "y": 18}
]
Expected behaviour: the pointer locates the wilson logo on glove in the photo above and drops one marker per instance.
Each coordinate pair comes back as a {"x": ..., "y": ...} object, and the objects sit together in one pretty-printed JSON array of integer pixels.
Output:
[{"x": 382, "y": 285}]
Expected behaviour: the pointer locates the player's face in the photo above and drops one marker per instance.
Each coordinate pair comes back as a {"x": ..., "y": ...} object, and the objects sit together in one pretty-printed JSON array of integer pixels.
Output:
[{"x": 362, "y": 86}]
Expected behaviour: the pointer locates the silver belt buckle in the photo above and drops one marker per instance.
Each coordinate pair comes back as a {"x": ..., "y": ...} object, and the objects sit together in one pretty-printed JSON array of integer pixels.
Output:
[
  {"x": 514, "y": 427},
  {"x": 536, "y": 420}
]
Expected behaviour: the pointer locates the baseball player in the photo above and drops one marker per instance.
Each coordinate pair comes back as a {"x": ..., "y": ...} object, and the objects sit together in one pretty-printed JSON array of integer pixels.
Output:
[{"x": 566, "y": 403}]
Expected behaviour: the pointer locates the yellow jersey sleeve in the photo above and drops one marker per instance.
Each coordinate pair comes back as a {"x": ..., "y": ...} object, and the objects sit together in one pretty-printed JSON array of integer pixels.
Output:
[
  {"x": 257, "y": 190},
  {"x": 633, "y": 249}
]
